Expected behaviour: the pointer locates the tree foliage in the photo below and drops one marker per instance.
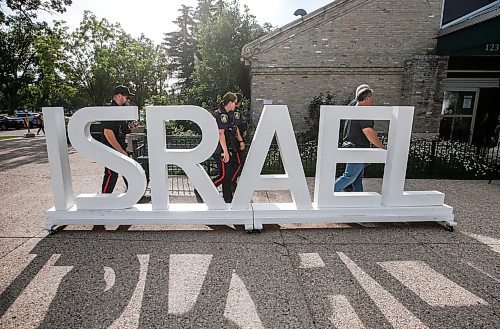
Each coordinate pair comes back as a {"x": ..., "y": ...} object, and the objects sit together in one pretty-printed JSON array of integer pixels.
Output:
[
  {"x": 44, "y": 65},
  {"x": 52, "y": 88},
  {"x": 19, "y": 62},
  {"x": 312, "y": 117},
  {"x": 21, "y": 57},
  {"x": 29, "y": 8},
  {"x": 144, "y": 68},
  {"x": 219, "y": 68},
  {"x": 91, "y": 51},
  {"x": 180, "y": 47}
]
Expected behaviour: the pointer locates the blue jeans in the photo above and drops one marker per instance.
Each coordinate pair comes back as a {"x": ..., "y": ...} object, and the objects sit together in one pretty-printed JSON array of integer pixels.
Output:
[{"x": 353, "y": 174}]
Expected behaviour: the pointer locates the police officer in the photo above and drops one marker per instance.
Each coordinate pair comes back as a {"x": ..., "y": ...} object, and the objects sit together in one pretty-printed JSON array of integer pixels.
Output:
[
  {"x": 230, "y": 141},
  {"x": 241, "y": 153},
  {"x": 113, "y": 135}
]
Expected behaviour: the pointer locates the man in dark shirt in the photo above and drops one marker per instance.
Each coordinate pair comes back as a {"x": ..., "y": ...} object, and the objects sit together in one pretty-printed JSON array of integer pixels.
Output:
[
  {"x": 359, "y": 133},
  {"x": 113, "y": 135},
  {"x": 343, "y": 123}
]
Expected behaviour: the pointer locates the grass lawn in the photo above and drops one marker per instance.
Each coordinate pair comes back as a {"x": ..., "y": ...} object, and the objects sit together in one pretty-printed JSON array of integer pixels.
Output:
[{"x": 7, "y": 137}]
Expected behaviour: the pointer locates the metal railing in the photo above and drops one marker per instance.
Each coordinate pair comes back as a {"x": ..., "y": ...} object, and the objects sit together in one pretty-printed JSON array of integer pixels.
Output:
[
  {"x": 451, "y": 160},
  {"x": 435, "y": 159}
]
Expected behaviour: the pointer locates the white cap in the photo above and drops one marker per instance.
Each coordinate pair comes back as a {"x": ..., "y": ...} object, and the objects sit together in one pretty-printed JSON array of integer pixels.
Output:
[{"x": 360, "y": 89}]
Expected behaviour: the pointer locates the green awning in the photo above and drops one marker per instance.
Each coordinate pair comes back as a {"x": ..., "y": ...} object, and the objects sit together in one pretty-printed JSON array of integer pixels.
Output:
[{"x": 482, "y": 39}]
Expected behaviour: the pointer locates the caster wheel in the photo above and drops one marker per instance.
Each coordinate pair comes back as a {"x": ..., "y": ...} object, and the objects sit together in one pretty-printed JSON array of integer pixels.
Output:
[
  {"x": 258, "y": 231},
  {"x": 51, "y": 231},
  {"x": 249, "y": 231},
  {"x": 450, "y": 228}
]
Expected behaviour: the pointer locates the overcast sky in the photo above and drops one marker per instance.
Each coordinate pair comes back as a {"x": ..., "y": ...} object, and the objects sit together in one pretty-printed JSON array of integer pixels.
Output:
[{"x": 154, "y": 17}]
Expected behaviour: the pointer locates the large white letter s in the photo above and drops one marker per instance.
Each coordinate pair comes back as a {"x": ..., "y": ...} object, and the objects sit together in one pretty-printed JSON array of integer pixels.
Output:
[{"x": 82, "y": 141}]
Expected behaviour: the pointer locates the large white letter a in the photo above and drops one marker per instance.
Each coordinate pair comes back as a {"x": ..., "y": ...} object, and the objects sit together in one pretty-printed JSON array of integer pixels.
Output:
[{"x": 275, "y": 119}]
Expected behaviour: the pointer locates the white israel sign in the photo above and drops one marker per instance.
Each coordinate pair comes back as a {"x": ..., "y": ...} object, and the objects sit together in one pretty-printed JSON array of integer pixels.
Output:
[{"x": 392, "y": 205}]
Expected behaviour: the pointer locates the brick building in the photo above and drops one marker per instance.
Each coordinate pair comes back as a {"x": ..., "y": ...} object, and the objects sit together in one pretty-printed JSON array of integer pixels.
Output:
[{"x": 389, "y": 44}]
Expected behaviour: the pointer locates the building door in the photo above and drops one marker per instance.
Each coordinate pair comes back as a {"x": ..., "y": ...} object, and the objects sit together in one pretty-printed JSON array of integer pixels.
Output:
[{"x": 458, "y": 114}]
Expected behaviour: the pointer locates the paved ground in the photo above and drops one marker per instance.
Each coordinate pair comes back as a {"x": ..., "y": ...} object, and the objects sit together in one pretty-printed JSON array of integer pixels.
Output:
[
  {"x": 413, "y": 275},
  {"x": 19, "y": 132}
]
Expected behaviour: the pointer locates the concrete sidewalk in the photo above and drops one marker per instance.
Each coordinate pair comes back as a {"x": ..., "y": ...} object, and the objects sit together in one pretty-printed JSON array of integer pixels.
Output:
[{"x": 406, "y": 275}]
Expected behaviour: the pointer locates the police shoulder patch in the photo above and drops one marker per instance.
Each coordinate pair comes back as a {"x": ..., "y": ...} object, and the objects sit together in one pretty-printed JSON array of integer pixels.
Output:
[
  {"x": 223, "y": 118},
  {"x": 237, "y": 115}
]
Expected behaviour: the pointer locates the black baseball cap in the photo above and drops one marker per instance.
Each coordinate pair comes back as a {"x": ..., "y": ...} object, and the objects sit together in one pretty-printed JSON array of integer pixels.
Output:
[{"x": 122, "y": 90}]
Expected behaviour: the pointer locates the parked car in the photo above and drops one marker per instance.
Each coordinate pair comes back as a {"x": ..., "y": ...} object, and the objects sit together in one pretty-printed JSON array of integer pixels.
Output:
[
  {"x": 32, "y": 117},
  {"x": 11, "y": 123}
]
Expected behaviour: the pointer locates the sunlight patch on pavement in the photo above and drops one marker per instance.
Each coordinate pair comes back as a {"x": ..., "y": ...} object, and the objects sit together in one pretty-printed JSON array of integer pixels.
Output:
[
  {"x": 240, "y": 307},
  {"x": 493, "y": 243},
  {"x": 131, "y": 314},
  {"x": 483, "y": 272},
  {"x": 31, "y": 306},
  {"x": 432, "y": 287},
  {"x": 109, "y": 277},
  {"x": 15, "y": 262},
  {"x": 395, "y": 312},
  {"x": 187, "y": 273},
  {"x": 311, "y": 260},
  {"x": 343, "y": 314}
]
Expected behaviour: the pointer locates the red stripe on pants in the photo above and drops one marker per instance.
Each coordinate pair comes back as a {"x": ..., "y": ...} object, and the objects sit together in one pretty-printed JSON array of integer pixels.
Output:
[
  {"x": 105, "y": 189},
  {"x": 223, "y": 165},
  {"x": 239, "y": 168}
]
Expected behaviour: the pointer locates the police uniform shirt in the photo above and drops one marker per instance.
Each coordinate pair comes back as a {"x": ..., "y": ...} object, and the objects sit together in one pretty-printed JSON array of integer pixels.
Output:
[
  {"x": 240, "y": 122},
  {"x": 225, "y": 120},
  {"x": 119, "y": 128}
]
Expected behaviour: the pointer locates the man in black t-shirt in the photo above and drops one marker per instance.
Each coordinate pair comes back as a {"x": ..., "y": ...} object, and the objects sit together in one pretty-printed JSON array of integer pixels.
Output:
[
  {"x": 113, "y": 135},
  {"x": 359, "y": 133},
  {"x": 343, "y": 123}
]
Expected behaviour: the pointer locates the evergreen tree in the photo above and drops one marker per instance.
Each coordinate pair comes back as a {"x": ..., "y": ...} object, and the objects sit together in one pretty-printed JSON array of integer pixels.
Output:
[
  {"x": 218, "y": 68},
  {"x": 205, "y": 10},
  {"x": 180, "y": 47}
]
